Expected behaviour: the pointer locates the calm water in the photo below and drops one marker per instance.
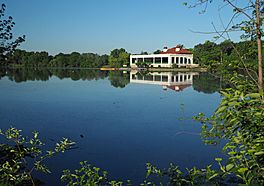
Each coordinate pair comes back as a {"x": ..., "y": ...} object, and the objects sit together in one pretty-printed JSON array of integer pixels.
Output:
[{"x": 119, "y": 120}]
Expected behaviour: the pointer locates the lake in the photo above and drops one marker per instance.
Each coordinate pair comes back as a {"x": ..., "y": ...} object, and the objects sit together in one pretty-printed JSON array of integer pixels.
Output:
[{"x": 120, "y": 120}]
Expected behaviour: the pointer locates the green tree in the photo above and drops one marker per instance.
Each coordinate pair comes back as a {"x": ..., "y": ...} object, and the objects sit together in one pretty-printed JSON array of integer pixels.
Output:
[
  {"x": 157, "y": 52},
  {"x": 118, "y": 58},
  {"x": 74, "y": 59},
  {"x": 7, "y": 43},
  {"x": 208, "y": 54},
  {"x": 251, "y": 25},
  {"x": 60, "y": 60}
]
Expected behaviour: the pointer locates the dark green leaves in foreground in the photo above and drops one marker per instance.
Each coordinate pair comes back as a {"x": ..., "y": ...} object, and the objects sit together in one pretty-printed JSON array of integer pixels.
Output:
[
  {"x": 17, "y": 153},
  {"x": 240, "y": 120},
  {"x": 88, "y": 175}
]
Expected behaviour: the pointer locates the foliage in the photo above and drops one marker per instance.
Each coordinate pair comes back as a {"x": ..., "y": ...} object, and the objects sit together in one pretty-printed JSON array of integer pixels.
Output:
[
  {"x": 43, "y": 59},
  {"x": 174, "y": 176},
  {"x": 33, "y": 59},
  {"x": 88, "y": 175},
  {"x": 7, "y": 44},
  {"x": 207, "y": 53},
  {"x": 15, "y": 165},
  {"x": 226, "y": 55},
  {"x": 157, "y": 51},
  {"x": 118, "y": 58},
  {"x": 239, "y": 119}
]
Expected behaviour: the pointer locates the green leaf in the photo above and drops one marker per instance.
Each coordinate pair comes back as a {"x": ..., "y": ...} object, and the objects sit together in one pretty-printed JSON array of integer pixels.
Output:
[
  {"x": 229, "y": 167},
  {"x": 242, "y": 170},
  {"x": 254, "y": 95},
  {"x": 213, "y": 176},
  {"x": 220, "y": 109},
  {"x": 259, "y": 153},
  {"x": 233, "y": 103}
]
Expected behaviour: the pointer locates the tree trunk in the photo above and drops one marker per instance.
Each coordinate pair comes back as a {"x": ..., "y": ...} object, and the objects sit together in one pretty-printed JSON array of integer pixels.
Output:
[{"x": 259, "y": 42}]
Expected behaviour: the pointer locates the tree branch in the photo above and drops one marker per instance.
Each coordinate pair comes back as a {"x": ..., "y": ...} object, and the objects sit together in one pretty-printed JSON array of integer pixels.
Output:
[{"x": 239, "y": 10}]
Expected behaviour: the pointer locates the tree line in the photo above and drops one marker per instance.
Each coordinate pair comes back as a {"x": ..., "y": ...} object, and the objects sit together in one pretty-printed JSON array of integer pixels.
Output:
[
  {"x": 22, "y": 58},
  {"x": 228, "y": 54}
]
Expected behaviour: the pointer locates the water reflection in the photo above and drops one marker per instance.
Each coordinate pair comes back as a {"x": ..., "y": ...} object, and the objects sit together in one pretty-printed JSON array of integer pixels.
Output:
[
  {"x": 176, "y": 81},
  {"x": 207, "y": 83},
  {"x": 122, "y": 129}
]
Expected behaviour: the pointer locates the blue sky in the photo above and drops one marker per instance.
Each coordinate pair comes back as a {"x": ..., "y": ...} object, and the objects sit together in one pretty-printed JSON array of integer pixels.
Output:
[{"x": 100, "y": 26}]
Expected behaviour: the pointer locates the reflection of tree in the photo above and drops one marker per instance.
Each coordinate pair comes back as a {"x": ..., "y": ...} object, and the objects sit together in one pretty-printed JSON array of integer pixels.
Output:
[
  {"x": 79, "y": 74},
  {"x": 118, "y": 79},
  {"x": 20, "y": 75},
  {"x": 206, "y": 83},
  {"x": 29, "y": 74},
  {"x": 2, "y": 72}
]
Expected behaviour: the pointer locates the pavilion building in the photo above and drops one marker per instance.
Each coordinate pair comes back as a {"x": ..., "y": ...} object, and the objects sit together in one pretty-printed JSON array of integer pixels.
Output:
[{"x": 176, "y": 56}]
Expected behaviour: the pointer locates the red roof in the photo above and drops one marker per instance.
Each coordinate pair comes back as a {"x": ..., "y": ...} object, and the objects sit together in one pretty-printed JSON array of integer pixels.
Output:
[
  {"x": 173, "y": 51},
  {"x": 178, "y": 88}
]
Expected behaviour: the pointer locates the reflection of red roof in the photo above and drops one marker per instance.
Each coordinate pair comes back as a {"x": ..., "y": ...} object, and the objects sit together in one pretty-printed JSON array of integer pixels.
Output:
[
  {"x": 173, "y": 50},
  {"x": 178, "y": 88}
]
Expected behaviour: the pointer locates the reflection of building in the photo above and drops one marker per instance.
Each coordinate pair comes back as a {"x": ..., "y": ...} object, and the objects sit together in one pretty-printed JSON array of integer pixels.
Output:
[
  {"x": 167, "y": 58},
  {"x": 173, "y": 80}
]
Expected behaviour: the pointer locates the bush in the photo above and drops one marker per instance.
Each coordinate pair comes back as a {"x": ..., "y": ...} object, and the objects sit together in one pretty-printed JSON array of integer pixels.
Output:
[{"x": 15, "y": 168}]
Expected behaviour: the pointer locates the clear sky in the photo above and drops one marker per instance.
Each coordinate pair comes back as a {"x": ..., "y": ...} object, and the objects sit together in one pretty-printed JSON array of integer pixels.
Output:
[{"x": 100, "y": 26}]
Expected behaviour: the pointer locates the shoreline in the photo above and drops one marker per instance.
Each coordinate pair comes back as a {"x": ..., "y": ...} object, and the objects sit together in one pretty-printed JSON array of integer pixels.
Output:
[{"x": 196, "y": 69}]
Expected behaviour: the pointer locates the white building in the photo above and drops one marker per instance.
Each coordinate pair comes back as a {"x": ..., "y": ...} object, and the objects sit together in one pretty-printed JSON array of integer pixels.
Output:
[{"x": 167, "y": 58}]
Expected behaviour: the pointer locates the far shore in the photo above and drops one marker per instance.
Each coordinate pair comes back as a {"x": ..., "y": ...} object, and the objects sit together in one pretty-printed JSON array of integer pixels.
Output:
[{"x": 196, "y": 69}]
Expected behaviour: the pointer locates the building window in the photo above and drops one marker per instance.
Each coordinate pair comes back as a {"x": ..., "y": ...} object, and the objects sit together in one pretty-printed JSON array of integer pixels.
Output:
[
  {"x": 139, "y": 77},
  {"x": 172, "y": 60},
  {"x": 140, "y": 60},
  {"x": 148, "y": 77},
  {"x": 157, "y": 60},
  {"x": 181, "y": 60},
  {"x": 185, "y": 60},
  {"x": 189, "y": 61},
  {"x": 165, "y": 60},
  {"x": 134, "y": 76},
  {"x": 177, "y": 60},
  {"x": 148, "y": 60},
  {"x": 172, "y": 78},
  {"x": 157, "y": 78},
  {"x": 165, "y": 78}
]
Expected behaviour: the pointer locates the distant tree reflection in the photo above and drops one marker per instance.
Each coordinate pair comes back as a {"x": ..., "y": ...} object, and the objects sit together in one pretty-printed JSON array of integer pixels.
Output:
[
  {"x": 118, "y": 79},
  {"x": 206, "y": 83}
]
